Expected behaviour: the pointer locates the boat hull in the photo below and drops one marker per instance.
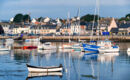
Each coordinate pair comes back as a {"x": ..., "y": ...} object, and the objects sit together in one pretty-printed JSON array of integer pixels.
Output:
[
  {"x": 108, "y": 50},
  {"x": 44, "y": 69},
  {"x": 4, "y": 49}
]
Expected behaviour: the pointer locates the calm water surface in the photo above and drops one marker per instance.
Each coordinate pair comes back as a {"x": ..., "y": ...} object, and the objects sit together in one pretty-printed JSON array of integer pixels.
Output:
[{"x": 77, "y": 65}]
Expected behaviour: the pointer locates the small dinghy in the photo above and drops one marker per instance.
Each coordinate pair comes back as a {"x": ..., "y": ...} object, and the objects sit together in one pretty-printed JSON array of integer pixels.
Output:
[{"x": 44, "y": 69}]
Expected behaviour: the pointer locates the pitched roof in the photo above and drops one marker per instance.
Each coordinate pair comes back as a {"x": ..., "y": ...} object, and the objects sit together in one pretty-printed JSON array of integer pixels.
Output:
[
  {"x": 123, "y": 25},
  {"x": 114, "y": 30}
]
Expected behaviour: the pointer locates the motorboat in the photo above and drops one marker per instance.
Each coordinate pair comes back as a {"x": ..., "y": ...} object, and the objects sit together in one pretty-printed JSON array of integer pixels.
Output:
[
  {"x": 77, "y": 47},
  {"x": 45, "y": 69},
  {"x": 32, "y": 40},
  {"x": 106, "y": 46},
  {"x": 46, "y": 46},
  {"x": 90, "y": 47},
  {"x": 4, "y": 48},
  {"x": 66, "y": 46}
]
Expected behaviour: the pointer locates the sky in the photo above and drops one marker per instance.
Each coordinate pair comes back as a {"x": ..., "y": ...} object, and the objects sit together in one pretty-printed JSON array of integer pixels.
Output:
[{"x": 60, "y": 8}]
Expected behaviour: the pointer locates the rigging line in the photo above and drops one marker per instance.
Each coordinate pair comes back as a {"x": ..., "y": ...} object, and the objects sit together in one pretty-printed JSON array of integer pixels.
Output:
[
  {"x": 79, "y": 24},
  {"x": 98, "y": 8},
  {"x": 93, "y": 21}
]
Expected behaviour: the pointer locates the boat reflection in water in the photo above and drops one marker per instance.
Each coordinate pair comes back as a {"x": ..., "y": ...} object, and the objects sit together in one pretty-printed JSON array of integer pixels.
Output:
[
  {"x": 90, "y": 56},
  {"x": 96, "y": 69},
  {"x": 4, "y": 52},
  {"x": 46, "y": 53},
  {"x": 31, "y": 75},
  {"x": 107, "y": 57},
  {"x": 48, "y": 74}
]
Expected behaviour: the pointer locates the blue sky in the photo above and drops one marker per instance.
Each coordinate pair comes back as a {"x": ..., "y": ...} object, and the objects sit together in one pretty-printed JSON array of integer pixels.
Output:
[{"x": 60, "y": 8}]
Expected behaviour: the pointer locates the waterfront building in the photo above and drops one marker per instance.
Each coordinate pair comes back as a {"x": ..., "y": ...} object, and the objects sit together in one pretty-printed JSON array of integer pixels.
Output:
[
  {"x": 89, "y": 27},
  {"x": 34, "y": 29},
  {"x": 107, "y": 24},
  {"x": 65, "y": 30},
  {"x": 46, "y": 20},
  {"x": 47, "y": 29},
  {"x": 75, "y": 28},
  {"x": 18, "y": 29},
  {"x": 124, "y": 29},
  {"x": 5, "y": 27},
  {"x": 83, "y": 29}
]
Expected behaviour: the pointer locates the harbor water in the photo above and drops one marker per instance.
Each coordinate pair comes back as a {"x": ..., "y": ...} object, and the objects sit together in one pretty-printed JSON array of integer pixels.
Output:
[{"x": 77, "y": 65}]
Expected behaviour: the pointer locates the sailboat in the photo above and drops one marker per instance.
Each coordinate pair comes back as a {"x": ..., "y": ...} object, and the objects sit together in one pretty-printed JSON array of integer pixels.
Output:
[
  {"x": 78, "y": 45},
  {"x": 46, "y": 46},
  {"x": 67, "y": 45},
  {"x": 92, "y": 45}
]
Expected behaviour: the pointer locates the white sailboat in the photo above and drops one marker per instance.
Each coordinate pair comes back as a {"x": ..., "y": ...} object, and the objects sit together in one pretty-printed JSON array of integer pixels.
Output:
[{"x": 67, "y": 45}]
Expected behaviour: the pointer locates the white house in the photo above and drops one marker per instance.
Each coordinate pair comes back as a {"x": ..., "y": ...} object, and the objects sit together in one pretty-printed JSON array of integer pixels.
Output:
[
  {"x": 75, "y": 28},
  {"x": 47, "y": 19}
]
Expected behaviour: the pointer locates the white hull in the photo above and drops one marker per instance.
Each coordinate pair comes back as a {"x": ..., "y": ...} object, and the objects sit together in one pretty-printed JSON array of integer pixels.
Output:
[
  {"x": 128, "y": 50},
  {"x": 32, "y": 40},
  {"x": 44, "y": 69},
  {"x": 44, "y": 74},
  {"x": 46, "y": 46},
  {"x": 65, "y": 47},
  {"x": 4, "y": 49},
  {"x": 108, "y": 50}
]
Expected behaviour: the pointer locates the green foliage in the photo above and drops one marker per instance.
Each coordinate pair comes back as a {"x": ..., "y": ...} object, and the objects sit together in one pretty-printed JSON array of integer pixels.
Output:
[
  {"x": 126, "y": 18},
  {"x": 26, "y": 18},
  {"x": 18, "y": 18},
  {"x": 21, "y": 18},
  {"x": 89, "y": 18},
  {"x": 40, "y": 19}
]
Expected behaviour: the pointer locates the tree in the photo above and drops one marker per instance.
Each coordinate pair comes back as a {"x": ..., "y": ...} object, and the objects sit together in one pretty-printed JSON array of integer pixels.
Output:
[
  {"x": 128, "y": 16},
  {"x": 40, "y": 19},
  {"x": 26, "y": 18},
  {"x": 89, "y": 17},
  {"x": 18, "y": 18},
  {"x": 1, "y": 30}
]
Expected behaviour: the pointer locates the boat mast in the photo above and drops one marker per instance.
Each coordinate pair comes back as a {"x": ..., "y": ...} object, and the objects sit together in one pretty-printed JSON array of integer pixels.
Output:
[
  {"x": 93, "y": 24},
  {"x": 98, "y": 13},
  {"x": 68, "y": 24},
  {"x": 78, "y": 19}
]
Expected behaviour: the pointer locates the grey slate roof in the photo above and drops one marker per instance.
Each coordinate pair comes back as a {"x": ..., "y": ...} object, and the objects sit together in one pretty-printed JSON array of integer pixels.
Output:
[
  {"x": 123, "y": 25},
  {"x": 114, "y": 30}
]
